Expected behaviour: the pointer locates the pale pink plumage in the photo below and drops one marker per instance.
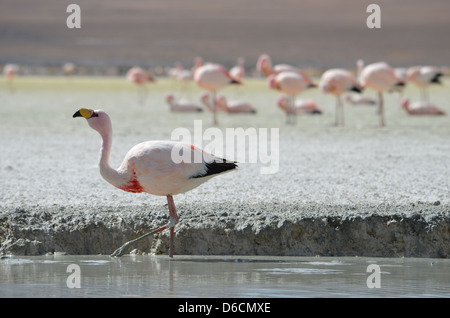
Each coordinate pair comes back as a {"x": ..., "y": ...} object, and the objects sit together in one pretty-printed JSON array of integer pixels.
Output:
[
  {"x": 301, "y": 106},
  {"x": 264, "y": 66},
  {"x": 379, "y": 77},
  {"x": 182, "y": 105},
  {"x": 337, "y": 81},
  {"x": 234, "y": 106},
  {"x": 358, "y": 99},
  {"x": 237, "y": 72},
  {"x": 420, "y": 108},
  {"x": 291, "y": 84},
  {"x": 150, "y": 167},
  {"x": 422, "y": 77},
  {"x": 213, "y": 77},
  {"x": 139, "y": 76}
]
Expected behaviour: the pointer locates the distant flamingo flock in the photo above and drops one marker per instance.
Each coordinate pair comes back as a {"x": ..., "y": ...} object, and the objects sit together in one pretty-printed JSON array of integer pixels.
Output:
[{"x": 291, "y": 81}]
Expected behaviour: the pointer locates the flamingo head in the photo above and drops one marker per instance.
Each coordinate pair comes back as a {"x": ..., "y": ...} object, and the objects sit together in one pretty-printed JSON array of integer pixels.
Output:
[
  {"x": 170, "y": 98},
  {"x": 97, "y": 119},
  {"x": 204, "y": 98},
  {"x": 264, "y": 65},
  {"x": 282, "y": 102},
  {"x": 221, "y": 102},
  {"x": 404, "y": 103},
  {"x": 272, "y": 83}
]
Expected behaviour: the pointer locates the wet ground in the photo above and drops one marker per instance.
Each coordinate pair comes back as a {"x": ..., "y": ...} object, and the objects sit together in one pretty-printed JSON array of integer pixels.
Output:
[{"x": 222, "y": 276}]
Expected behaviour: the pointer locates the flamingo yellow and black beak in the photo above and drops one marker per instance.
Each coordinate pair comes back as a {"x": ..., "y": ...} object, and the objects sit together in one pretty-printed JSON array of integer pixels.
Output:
[{"x": 84, "y": 112}]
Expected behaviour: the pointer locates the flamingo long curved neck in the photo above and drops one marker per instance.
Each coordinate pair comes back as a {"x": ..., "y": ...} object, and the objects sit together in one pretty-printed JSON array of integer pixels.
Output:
[{"x": 109, "y": 174}]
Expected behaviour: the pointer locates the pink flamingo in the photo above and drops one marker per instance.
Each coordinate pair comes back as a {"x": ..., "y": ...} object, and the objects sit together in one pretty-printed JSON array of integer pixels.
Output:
[
  {"x": 379, "y": 77},
  {"x": 420, "y": 108},
  {"x": 181, "y": 105},
  {"x": 237, "y": 72},
  {"x": 212, "y": 77},
  {"x": 140, "y": 77},
  {"x": 292, "y": 84},
  {"x": 422, "y": 77},
  {"x": 338, "y": 81},
  {"x": 234, "y": 107},
  {"x": 11, "y": 71},
  {"x": 69, "y": 69},
  {"x": 150, "y": 167},
  {"x": 358, "y": 99},
  {"x": 301, "y": 106}
]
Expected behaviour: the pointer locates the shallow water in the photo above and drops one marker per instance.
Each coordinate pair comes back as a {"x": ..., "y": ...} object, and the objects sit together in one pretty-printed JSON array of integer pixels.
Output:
[{"x": 222, "y": 276}]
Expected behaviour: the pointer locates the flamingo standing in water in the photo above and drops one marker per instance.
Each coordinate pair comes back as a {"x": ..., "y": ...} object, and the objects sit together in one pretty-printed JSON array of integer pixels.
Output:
[
  {"x": 420, "y": 108},
  {"x": 182, "y": 105},
  {"x": 140, "y": 77},
  {"x": 150, "y": 167},
  {"x": 292, "y": 84},
  {"x": 422, "y": 77},
  {"x": 234, "y": 106},
  {"x": 380, "y": 77},
  {"x": 212, "y": 77},
  {"x": 338, "y": 81},
  {"x": 301, "y": 106}
]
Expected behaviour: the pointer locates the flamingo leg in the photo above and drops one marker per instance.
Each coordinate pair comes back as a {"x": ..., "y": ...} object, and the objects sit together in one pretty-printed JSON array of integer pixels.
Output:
[
  {"x": 121, "y": 250},
  {"x": 171, "y": 225},
  {"x": 336, "y": 115},
  {"x": 341, "y": 107},
  {"x": 380, "y": 98},
  {"x": 213, "y": 98},
  {"x": 173, "y": 221}
]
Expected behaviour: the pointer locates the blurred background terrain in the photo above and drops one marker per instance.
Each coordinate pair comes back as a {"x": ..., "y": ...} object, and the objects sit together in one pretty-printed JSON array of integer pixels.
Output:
[{"x": 309, "y": 34}]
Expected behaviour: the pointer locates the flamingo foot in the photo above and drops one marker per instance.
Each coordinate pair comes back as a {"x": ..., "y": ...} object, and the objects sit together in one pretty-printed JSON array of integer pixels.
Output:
[{"x": 123, "y": 249}]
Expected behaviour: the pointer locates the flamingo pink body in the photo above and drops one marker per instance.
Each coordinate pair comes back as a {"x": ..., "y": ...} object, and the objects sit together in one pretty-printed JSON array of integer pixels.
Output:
[
  {"x": 357, "y": 99},
  {"x": 139, "y": 76},
  {"x": 10, "y": 70},
  {"x": 422, "y": 77},
  {"x": 264, "y": 66},
  {"x": 150, "y": 166},
  {"x": 290, "y": 83},
  {"x": 238, "y": 72},
  {"x": 420, "y": 108},
  {"x": 234, "y": 106},
  {"x": 337, "y": 81},
  {"x": 301, "y": 106},
  {"x": 379, "y": 77},
  {"x": 212, "y": 77},
  {"x": 182, "y": 105}
]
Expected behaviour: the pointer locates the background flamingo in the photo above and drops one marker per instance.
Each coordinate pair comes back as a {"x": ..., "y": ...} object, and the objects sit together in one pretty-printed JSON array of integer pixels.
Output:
[
  {"x": 379, "y": 77},
  {"x": 69, "y": 69},
  {"x": 237, "y": 72},
  {"x": 420, "y": 108},
  {"x": 423, "y": 77},
  {"x": 301, "y": 106},
  {"x": 149, "y": 167},
  {"x": 291, "y": 84},
  {"x": 234, "y": 106},
  {"x": 182, "y": 105},
  {"x": 140, "y": 77},
  {"x": 212, "y": 77},
  {"x": 358, "y": 99},
  {"x": 336, "y": 82},
  {"x": 11, "y": 71}
]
